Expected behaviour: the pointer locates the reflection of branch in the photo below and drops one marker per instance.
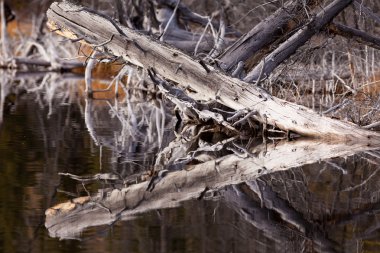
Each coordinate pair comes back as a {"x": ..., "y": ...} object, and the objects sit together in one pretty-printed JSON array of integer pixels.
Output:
[
  {"x": 88, "y": 120},
  {"x": 252, "y": 212},
  {"x": 4, "y": 91},
  {"x": 368, "y": 220},
  {"x": 258, "y": 217},
  {"x": 182, "y": 185},
  {"x": 271, "y": 201},
  {"x": 351, "y": 188}
]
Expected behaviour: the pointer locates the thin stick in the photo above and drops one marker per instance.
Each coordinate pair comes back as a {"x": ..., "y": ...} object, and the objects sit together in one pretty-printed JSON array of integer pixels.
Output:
[
  {"x": 169, "y": 21},
  {"x": 201, "y": 38},
  {"x": 88, "y": 72},
  {"x": 4, "y": 37}
]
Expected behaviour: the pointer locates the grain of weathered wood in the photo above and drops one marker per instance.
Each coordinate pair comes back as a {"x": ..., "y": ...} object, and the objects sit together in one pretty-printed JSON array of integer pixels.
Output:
[{"x": 172, "y": 64}]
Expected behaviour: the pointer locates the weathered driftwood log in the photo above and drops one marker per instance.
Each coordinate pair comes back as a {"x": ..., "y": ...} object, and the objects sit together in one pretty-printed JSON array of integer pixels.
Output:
[
  {"x": 210, "y": 84},
  {"x": 68, "y": 219}
]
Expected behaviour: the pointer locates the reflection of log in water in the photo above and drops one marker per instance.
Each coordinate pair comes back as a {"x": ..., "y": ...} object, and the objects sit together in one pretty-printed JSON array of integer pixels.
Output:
[
  {"x": 261, "y": 217},
  {"x": 69, "y": 219}
]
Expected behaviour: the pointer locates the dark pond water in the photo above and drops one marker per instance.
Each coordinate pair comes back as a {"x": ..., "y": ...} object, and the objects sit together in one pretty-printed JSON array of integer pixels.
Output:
[{"x": 324, "y": 206}]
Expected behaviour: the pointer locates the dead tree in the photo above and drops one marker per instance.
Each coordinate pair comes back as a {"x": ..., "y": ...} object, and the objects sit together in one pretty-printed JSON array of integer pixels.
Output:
[{"x": 207, "y": 81}]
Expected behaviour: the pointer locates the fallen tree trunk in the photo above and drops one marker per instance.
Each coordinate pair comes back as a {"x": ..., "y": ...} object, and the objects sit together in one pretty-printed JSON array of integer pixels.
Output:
[
  {"x": 210, "y": 84},
  {"x": 67, "y": 220}
]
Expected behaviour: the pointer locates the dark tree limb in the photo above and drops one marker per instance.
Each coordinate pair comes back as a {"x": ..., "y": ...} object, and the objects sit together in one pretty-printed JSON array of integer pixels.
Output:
[
  {"x": 120, "y": 11},
  {"x": 289, "y": 47},
  {"x": 257, "y": 40},
  {"x": 352, "y": 33},
  {"x": 17, "y": 63}
]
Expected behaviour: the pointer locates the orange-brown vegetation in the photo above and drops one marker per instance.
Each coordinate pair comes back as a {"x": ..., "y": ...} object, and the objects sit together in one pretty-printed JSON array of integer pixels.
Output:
[{"x": 103, "y": 75}]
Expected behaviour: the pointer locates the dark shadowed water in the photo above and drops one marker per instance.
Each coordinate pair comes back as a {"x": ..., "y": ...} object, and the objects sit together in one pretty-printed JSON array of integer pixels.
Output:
[{"x": 326, "y": 206}]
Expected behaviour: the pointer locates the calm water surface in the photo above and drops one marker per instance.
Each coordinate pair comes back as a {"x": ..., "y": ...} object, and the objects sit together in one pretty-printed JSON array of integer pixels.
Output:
[{"x": 328, "y": 206}]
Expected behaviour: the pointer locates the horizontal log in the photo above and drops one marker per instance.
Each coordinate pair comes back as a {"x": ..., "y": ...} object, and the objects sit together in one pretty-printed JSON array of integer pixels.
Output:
[{"x": 209, "y": 83}]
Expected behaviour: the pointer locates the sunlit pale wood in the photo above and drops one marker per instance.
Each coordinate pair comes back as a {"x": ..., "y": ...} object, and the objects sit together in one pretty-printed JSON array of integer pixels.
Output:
[{"x": 171, "y": 63}]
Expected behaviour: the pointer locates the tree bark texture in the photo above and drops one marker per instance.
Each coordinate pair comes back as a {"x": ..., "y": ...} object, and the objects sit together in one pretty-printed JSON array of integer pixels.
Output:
[
  {"x": 355, "y": 34},
  {"x": 251, "y": 47},
  {"x": 289, "y": 47},
  {"x": 209, "y": 83}
]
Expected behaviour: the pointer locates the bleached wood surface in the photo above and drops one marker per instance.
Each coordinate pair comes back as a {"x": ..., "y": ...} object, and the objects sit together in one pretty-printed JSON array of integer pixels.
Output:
[{"x": 141, "y": 50}]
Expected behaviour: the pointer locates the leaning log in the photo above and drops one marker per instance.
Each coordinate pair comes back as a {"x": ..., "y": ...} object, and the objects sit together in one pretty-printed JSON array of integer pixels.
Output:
[
  {"x": 290, "y": 46},
  {"x": 355, "y": 34},
  {"x": 254, "y": 44},
  {"x": 207, "y": 81},
  {"x": 68, "y": 219}
]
